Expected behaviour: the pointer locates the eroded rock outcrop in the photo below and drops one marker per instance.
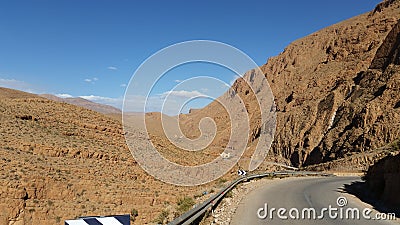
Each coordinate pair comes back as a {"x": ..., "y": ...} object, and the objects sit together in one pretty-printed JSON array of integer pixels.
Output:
[
  {"x": 344, "y": 105},
  {"x": 336, "y": 90}
]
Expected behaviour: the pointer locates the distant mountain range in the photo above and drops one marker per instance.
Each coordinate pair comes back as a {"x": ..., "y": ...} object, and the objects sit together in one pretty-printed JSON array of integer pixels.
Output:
[{"x": 105, "y": 109}]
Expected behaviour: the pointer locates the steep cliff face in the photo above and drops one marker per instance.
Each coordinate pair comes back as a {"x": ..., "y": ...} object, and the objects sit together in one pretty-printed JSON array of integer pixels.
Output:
[
  {"x": 368, "y": 117},
  {"x": 336, "y": 90},
  {"x": 330, "y": 102}
]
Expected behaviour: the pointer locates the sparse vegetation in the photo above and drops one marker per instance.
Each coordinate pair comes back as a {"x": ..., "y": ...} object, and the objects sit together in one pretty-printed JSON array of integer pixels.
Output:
[
  {"x": 184, "y": 204},
  {"x": 229, "y": 194},
  {"x": 134, "y": 214},
  {"x": 221, "y": 181},
  {"x": 162, "y": 217},
  {"x": 395, "y": 146},
  {"x": 196, "y": 196}
]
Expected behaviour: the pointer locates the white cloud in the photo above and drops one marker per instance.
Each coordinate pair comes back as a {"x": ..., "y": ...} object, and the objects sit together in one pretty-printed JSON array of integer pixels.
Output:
[
  {"x": 178, "y": 81},
  {"x": 183, "y": 94},
  {"x": 12, "y": 83},
  {"x": 167, "y": 104},
  {"x": 122, "y": 85},
  {"x": 19, "y": 85},
  {"x": 91, "y": 80},
  {"x": 157, "y": 103},
  {"x": 116, "y": 102},
  {"x": 97, "y": 98},
  {"x": 112, "y": 68},
  {"x": 132, "y": 104},
  {"x": 64, "y": 95}
]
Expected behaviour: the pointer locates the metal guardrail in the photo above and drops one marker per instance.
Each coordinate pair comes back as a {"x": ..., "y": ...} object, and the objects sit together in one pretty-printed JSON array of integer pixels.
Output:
[{"x": 193, "y": 214}]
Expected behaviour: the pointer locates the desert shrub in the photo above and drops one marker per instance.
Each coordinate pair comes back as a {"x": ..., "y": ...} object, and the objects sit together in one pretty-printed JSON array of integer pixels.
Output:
[
  {"x": 162, "y": 217},
  {"x": 184, "y": 204},
  {"x": 229, "y": 194},
  {"x": 396, "y": 145},
  {"x": 222, "y": 181},
  {"x": 134, "y": 214}
]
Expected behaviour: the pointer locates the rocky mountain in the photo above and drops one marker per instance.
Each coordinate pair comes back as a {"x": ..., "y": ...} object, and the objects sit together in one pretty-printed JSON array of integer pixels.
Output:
[
  {"x": 60, "y": 161},
  {"x": 105, "y": 109},
  {"x": 333, "y": 98},
  {"x": 336, "y": 90},
  {"x": 383, "y": 178}
]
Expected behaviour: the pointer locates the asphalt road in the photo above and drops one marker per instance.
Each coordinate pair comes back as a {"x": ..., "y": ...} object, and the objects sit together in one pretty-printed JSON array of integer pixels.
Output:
[{"x": 303, "y": 193}]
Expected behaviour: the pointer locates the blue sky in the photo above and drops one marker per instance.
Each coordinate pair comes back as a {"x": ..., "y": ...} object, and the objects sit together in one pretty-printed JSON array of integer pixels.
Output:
[{"x": 91, "y": 48}]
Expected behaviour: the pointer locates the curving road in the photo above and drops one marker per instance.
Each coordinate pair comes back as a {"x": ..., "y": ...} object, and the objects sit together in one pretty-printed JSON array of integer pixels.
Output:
[{"x": 304, "y": 193}]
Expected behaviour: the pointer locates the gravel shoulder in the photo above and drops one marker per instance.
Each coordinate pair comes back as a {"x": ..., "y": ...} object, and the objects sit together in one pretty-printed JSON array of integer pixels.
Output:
[{"x": 224, "y": 212}]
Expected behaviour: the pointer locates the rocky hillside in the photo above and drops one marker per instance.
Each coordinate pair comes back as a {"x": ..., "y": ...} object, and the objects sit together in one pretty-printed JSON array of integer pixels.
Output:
[
  {"x": 336, "y": 90},
  {"x": 333, "y": 97},
  {"x": 59, "y": 161},
  {"x": 105, "y": 109}
]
